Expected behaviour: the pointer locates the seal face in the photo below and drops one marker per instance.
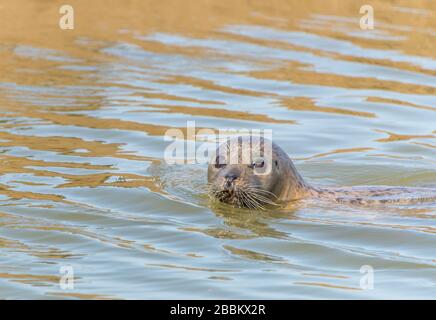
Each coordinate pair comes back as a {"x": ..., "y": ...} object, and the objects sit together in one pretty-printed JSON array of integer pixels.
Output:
[{"x": 252, "y": 172}]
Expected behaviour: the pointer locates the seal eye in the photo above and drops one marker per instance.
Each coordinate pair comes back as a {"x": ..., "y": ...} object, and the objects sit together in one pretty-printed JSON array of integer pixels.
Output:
[
  {"x": 258, "y": 163},
  {"x": 219, "y": 162}
]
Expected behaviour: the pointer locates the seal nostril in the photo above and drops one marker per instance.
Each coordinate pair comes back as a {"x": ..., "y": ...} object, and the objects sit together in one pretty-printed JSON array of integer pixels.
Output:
[
  {"x": 229, "y": 180},
  {"x": 231, "y": 177}
]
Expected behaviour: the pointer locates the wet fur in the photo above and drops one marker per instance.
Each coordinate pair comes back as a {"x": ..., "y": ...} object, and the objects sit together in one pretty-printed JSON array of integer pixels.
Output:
[{"x": 284, "y": 184}]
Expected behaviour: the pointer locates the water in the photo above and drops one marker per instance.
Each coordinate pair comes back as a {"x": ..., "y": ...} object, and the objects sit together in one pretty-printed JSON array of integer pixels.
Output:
[{"x": 83, "y": 183}]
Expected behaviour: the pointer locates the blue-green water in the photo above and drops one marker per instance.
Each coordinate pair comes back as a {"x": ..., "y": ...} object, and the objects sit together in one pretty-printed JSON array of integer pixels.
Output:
[{"x": 83, "y": 182}]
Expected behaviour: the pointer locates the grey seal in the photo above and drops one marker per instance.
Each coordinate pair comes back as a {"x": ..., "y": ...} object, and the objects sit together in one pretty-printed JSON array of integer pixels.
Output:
[{"x": 253, "y": 172}]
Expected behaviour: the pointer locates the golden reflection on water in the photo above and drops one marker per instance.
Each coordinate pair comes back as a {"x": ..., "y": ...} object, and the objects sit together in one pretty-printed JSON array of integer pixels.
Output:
[
  {"x": 399, "y": 137},
  {"x": 83, "y": 114}
]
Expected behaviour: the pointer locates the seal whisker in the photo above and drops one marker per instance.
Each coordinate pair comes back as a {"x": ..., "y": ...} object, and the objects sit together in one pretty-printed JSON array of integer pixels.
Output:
[
  {"x": 255, "y": 200},
  {"x": 263, "y": 200},
  {"x": 266, "y": 192},
  {"x": 262, "y": 195},
  {"x": 247, "y": 201}
]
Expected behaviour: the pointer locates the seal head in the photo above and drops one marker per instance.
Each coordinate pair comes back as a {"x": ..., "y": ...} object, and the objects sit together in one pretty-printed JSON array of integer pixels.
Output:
[{"x": 253, "y": 172}]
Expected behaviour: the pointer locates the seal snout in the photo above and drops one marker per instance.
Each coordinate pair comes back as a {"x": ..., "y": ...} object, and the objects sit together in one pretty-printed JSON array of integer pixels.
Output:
[{"x": 230, "y": 180}]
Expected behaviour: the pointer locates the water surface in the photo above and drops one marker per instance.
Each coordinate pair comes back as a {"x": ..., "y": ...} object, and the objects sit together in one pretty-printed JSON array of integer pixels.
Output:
[{"x": 83, "y": 182}]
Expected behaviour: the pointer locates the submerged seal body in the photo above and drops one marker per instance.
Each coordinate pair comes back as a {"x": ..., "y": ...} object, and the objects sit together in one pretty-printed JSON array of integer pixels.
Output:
[{"x": 253, "y": 172}]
